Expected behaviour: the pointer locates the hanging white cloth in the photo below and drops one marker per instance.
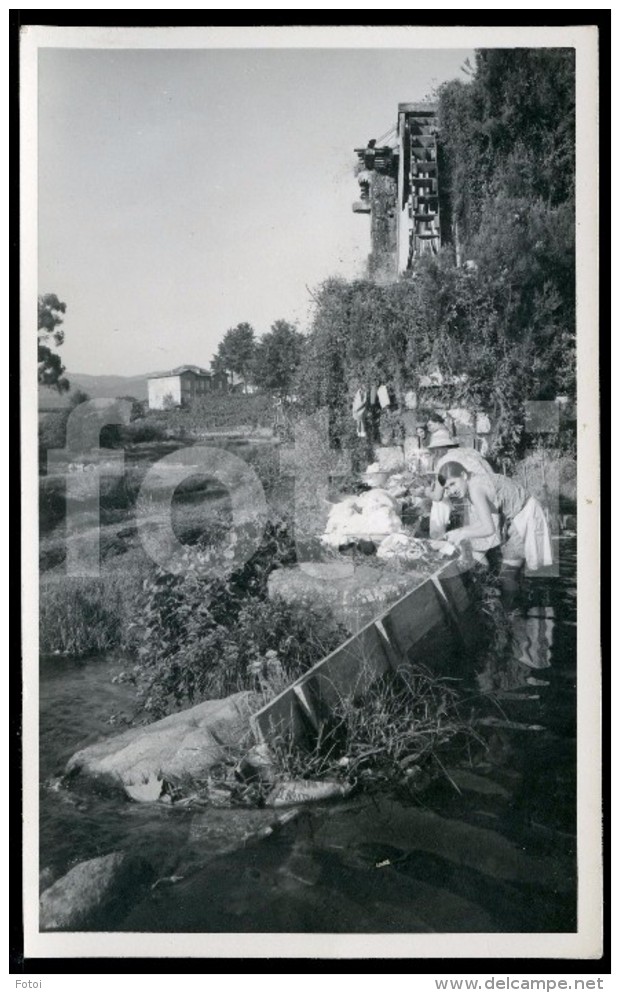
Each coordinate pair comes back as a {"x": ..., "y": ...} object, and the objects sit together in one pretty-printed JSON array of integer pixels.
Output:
[
  {"x": 462, "y": 417},
  {"x": 531, "y": 526},
  {"x": 383, "y": 396},
  {"x": 483, "y": 424},
  {"x": 359, "y": 404}
]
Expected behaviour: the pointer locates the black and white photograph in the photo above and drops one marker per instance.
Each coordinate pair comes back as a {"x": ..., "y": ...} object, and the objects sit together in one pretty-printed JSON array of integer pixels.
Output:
[{"x": 310, "y": 464}]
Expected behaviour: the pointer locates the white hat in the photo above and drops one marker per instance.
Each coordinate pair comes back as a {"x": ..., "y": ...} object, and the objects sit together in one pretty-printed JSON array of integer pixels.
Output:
[{"x": 441, "y": 438}]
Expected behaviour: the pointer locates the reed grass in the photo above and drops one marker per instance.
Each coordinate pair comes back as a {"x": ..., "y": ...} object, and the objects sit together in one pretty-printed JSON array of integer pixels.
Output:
[
  {"x": 394, "y": 735},
  {"x": 83, "y": 616}
]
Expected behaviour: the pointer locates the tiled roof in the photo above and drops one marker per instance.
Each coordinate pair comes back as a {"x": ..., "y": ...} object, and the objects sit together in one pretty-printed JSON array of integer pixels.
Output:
[{"x": 198, "y": 370}]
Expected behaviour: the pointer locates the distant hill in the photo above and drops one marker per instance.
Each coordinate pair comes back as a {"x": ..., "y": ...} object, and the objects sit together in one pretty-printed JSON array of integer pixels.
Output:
[{"x": 96, "y": 386}]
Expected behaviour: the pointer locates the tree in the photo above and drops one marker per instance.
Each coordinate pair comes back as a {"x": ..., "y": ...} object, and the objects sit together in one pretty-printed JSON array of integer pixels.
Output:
[
  {"x": 500, "y": 328},
  {"x": 508, "y": 161},
  {"x": 51, "y": 370},
  {"x": 277, "y": 358},
  {"x": 511, "y": 129},
  {"x": 235, "y": 352}
]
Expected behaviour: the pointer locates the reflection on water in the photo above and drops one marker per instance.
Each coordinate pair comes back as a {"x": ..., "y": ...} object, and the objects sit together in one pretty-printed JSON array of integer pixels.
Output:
[
  {"x": 491, "y": 849},
  {"x": 533, "y": 635}
]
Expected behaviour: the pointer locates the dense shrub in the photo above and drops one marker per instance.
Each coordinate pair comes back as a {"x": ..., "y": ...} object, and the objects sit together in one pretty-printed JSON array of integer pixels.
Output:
[
  {"x": 512, "y": 126},
  {"x": 198, "y": 634},
  {"x": 209, "y": 660},
  {"x": 142, "y": 430}
]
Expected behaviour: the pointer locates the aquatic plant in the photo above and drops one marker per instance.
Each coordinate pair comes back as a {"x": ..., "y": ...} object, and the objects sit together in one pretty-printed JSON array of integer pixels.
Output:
[{"x": 395, "y": 735}]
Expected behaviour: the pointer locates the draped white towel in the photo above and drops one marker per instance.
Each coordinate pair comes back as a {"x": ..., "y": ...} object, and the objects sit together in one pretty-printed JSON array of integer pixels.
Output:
[{"x": 531, "y": 526}]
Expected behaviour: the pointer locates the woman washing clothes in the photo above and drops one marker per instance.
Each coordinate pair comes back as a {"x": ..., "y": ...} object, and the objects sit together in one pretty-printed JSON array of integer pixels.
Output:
[
  {"x": 443, "y": 447},
  {"x": 524, "y": 535}
]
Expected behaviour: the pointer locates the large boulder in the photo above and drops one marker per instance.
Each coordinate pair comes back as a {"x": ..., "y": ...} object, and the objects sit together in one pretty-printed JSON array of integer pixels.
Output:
[
  {"x": 95, "y": 894},
  {"x": 183, "y": 746}
]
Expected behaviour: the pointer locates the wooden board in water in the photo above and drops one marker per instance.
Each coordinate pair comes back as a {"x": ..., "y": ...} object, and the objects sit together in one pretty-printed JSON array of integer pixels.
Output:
[{"x": 424, "y": 627}]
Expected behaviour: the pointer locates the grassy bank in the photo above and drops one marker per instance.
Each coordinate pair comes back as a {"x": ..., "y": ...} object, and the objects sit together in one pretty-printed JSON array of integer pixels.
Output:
[{"x": 80, "y": 617}]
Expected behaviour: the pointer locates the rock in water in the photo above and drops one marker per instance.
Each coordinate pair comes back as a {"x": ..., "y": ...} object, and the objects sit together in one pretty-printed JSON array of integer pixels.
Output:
[
  {"x": 46, "y": 877},
  {"x": 182, "y": 746},
  {"x": 95, "y": 894}
]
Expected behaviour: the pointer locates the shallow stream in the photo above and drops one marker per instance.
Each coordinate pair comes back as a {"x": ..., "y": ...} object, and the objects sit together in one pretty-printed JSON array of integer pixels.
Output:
[{"x": 491, "y": 847}]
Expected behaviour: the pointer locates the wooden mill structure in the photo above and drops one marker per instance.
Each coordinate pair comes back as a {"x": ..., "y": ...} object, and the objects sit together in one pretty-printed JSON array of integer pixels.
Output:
[{"x": 399, "y": 179}]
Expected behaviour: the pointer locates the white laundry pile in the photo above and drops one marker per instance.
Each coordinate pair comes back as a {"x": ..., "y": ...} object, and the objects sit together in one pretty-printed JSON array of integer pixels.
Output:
[
  {"x": 372, "y": 515},
  {"x": 389, "y": 458},
  {"x": 389, "y": 472}
]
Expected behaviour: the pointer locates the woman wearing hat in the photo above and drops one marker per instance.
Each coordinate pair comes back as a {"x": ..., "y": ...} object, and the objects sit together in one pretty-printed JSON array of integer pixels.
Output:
[
  {"x": 444, "y": 448},
  {"x": 441, "y": 444}
]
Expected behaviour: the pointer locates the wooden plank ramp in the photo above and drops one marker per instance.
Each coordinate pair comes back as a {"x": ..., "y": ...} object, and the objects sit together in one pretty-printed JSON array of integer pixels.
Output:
[{"x": 431, "y": 625}]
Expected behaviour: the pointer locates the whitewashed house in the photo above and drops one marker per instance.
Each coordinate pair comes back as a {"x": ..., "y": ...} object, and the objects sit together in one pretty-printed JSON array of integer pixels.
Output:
[{"x": 182, "y": 385}]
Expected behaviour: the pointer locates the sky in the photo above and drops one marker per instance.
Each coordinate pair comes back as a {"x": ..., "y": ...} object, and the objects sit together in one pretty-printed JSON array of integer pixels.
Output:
[{"x": 183, "y": 191}]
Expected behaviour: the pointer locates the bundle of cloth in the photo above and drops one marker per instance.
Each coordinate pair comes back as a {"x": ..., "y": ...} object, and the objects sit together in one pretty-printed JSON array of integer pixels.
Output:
[
  {"x": 395, "y": 483},
  {"x": 404, "y": 548},
  {"x": 373, "y": 515}
]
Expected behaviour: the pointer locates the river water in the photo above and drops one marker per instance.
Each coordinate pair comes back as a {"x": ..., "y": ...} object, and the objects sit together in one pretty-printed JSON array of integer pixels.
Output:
[{"x": 490, "y": 848}]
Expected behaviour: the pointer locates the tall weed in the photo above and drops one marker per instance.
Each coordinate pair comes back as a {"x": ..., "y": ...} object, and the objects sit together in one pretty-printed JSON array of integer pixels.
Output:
[{"x": 82, "y": 616}]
